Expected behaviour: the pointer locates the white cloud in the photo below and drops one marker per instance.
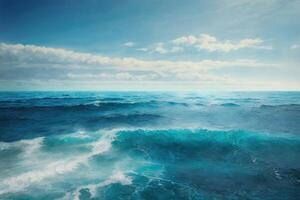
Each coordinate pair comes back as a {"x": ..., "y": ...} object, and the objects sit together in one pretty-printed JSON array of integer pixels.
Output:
[
  {"x": 206, "y": 42},
  {"x": 294, "y": 46},
  {"x": 143, "y": 49},
  {"x": 210, "y": 43},
  {"x": 119, "y": 76},
  {"x": 189, "y": 40},
  {"x": 67, "y": 65},
  {"x": 129, "y": 44},
  {"x": 176, "y": 49},
  {"x": 203, "y": 77},
  {"x": 159, "y": 48},
  {"x": 20, "y": 55}
]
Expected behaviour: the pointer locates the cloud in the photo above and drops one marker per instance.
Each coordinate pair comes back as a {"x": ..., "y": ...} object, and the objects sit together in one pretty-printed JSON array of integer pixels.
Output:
[
  {"x": 210, "y": 43},
  {"x": 185, "y": 40},
  {"x": 142, "y": 49},
  {"x": 23, "y": 55},
  {"x": 129, "y": 44},
  {"x": 176, "y": 49},
  {"x": 119, "y": 76},
  {"x": 203, "y": 77},
  {"x": 204, "y": 42},
  {"x": 294, "y": 46},
  {"x": 161, "y": 48},
  {"x": 20, "y": 62}
]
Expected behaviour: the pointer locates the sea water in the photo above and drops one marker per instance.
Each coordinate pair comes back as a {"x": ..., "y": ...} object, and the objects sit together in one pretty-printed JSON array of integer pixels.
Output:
[{"x": 149, "y": 145}]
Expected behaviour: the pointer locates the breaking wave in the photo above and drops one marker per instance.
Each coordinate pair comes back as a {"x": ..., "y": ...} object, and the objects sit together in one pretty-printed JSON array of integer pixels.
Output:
[
  {"x": 171, "y": 158},
  {"x": 50, "y": 168}
]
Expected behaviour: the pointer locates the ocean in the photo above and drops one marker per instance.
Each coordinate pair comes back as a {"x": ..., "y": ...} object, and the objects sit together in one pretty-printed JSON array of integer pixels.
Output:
[{"x": 149, "y": 145}]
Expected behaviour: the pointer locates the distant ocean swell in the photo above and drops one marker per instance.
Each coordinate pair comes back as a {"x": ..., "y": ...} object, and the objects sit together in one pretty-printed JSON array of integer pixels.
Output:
[
  {"x": 46, "y": 120},
  {"x": 145, "y": 164}
]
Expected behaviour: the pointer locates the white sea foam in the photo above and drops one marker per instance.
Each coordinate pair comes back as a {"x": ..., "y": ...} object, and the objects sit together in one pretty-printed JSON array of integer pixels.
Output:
[
  {"x": 22, "y": 181},
  {"x": 79, "y": 134},
  {"x": 32, "y": 146},
  {"x": 4, "y": 145},
  {"x": 116, "y": 177},
  {"x": 28, "y": 146}
]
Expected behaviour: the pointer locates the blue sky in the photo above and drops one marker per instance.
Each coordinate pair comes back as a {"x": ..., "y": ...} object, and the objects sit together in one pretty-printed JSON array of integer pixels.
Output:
[{"x": 150, "y": 45}]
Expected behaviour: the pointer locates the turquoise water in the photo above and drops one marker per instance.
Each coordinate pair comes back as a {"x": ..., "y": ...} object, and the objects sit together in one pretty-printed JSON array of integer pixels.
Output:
[{"x": 134, "y": 145}]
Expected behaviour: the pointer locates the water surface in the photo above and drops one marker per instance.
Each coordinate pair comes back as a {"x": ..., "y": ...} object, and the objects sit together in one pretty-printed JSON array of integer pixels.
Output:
[{"x": 139, "y": 145}]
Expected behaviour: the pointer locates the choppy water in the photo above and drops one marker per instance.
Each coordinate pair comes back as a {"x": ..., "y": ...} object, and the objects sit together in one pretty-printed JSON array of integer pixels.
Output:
[{"x": 130, "y": 145}]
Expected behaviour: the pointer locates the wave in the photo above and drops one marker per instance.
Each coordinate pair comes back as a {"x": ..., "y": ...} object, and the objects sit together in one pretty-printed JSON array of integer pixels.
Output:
[
  {"x": 158, "y": 159},
  {"x": 133, "y": 118},
  {"x": 39, "y": 99},
  {"x": 26, "y": 146},
  {"x": 229, "y": 104},
  {"x": 119, "y": 103},
  {"x": 112, "y": 99},
  {"x": 238, "y": 99},
  {"x": 210, "y": 161},
  {"x": 289, "y": 107},
  {"x": 54, "y": 168},
  {"x": 86, "y": 106},
  {"x": 111, "y": 106},
  {"x": 232, "y": 150},
  {"x": 116, "y": 177}
]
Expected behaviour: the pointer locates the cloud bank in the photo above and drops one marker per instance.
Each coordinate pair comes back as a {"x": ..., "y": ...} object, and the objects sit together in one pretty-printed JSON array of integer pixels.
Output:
[
  {"x": 38, "y": 63},
  {"x": 210, "y": 43},
  {"x": 204, "y": 42},
  {"x": 21, "y": 55}
]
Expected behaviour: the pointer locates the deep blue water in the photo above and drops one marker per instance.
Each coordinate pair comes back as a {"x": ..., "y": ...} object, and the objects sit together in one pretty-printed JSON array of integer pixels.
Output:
[{"x": 138, "y": 145}]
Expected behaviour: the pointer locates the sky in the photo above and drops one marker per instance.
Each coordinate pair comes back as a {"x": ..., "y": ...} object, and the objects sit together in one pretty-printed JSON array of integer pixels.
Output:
[{"x": 150, "y": 45}]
